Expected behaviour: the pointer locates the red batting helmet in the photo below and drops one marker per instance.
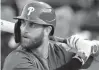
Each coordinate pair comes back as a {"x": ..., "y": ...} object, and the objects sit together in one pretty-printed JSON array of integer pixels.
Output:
[{"x": 38, "y": 12}]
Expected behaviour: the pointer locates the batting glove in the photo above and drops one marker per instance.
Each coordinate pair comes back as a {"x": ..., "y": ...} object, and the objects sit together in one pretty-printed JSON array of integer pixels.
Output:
[{"x": 82, "y": 46}]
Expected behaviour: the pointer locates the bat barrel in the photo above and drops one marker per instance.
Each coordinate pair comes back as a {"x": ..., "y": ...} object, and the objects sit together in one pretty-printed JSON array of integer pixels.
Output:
[{"x": 7, "y": 26}]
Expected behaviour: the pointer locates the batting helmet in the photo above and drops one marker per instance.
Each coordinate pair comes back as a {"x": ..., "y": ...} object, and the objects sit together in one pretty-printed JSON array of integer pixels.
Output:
[{"x": 38, "y": 12}]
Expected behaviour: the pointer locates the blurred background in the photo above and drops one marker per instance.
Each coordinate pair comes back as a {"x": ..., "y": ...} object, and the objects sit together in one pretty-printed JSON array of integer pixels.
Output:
[{"x": 73, "y": 16}]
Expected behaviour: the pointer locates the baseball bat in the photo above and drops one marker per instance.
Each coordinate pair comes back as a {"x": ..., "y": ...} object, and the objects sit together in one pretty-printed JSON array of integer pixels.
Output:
[{"x": 7, "y": 26}]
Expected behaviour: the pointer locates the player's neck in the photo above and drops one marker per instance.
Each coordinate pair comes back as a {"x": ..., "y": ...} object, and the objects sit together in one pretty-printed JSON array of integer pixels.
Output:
[{"x": 42, "y": 51}]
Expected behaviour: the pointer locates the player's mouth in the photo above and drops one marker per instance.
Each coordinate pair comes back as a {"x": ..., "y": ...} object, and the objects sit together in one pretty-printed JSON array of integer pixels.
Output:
[{"x": 25, "y": 37}]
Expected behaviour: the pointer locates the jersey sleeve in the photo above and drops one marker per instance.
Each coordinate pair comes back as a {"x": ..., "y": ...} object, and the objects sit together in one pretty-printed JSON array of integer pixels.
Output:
[{"x": 18, "y": 61}]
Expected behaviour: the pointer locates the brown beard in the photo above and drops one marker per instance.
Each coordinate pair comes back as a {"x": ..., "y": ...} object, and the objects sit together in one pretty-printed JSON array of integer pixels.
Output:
[{"x": 35, "y": 43}]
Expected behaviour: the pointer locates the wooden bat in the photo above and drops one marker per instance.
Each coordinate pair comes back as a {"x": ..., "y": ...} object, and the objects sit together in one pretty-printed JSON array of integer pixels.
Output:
[{"x": 7, "y": 26}]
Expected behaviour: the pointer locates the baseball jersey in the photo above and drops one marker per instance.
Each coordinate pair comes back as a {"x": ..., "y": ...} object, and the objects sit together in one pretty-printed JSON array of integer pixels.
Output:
[{"x": 22, "y": 59}]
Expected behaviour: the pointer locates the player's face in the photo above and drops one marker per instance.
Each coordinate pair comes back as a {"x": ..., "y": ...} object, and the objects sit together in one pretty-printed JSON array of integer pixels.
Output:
[{"x": 31, "y": 34}]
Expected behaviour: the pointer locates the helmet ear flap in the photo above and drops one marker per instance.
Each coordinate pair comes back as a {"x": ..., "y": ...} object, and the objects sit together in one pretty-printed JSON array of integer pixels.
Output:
[{"x": 17, "y": 31}]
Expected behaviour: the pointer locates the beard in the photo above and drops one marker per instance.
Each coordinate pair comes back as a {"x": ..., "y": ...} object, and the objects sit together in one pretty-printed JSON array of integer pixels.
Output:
[{"x": 32, "y": 43}]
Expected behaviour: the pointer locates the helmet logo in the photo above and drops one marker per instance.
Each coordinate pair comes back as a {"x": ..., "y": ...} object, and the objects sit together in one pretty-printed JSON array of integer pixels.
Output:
[{"x": 31, "y": 9}]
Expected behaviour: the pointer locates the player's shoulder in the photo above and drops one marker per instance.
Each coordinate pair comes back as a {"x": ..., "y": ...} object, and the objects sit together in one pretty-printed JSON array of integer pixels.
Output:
[
  {"x": 19, "y": 55},
  {"x": 16, "y": 58},
  {"x": 16, "y": 54}
]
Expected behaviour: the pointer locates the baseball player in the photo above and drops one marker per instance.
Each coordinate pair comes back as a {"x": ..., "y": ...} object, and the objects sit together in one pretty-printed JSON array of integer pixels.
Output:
[{"x": 33, "y": 29}]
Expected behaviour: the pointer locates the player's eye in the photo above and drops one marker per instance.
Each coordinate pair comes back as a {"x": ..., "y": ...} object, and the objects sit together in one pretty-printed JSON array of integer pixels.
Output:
[
  {"x": 30, "y": 24},
  {"x": 34, "y": 25}
]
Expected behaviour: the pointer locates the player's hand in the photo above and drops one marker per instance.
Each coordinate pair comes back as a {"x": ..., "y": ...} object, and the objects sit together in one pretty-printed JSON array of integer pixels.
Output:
[
  {"x": 94, "y": 51},
  {"x": 82, "y": 46}
]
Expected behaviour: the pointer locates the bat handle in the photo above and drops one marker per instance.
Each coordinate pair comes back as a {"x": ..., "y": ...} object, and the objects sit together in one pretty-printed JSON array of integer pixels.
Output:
[{"x": 58, "y": 39}]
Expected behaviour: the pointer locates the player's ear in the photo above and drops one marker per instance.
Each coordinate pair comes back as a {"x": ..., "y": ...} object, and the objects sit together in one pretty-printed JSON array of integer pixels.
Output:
[{"x": 47, "y": 30}]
